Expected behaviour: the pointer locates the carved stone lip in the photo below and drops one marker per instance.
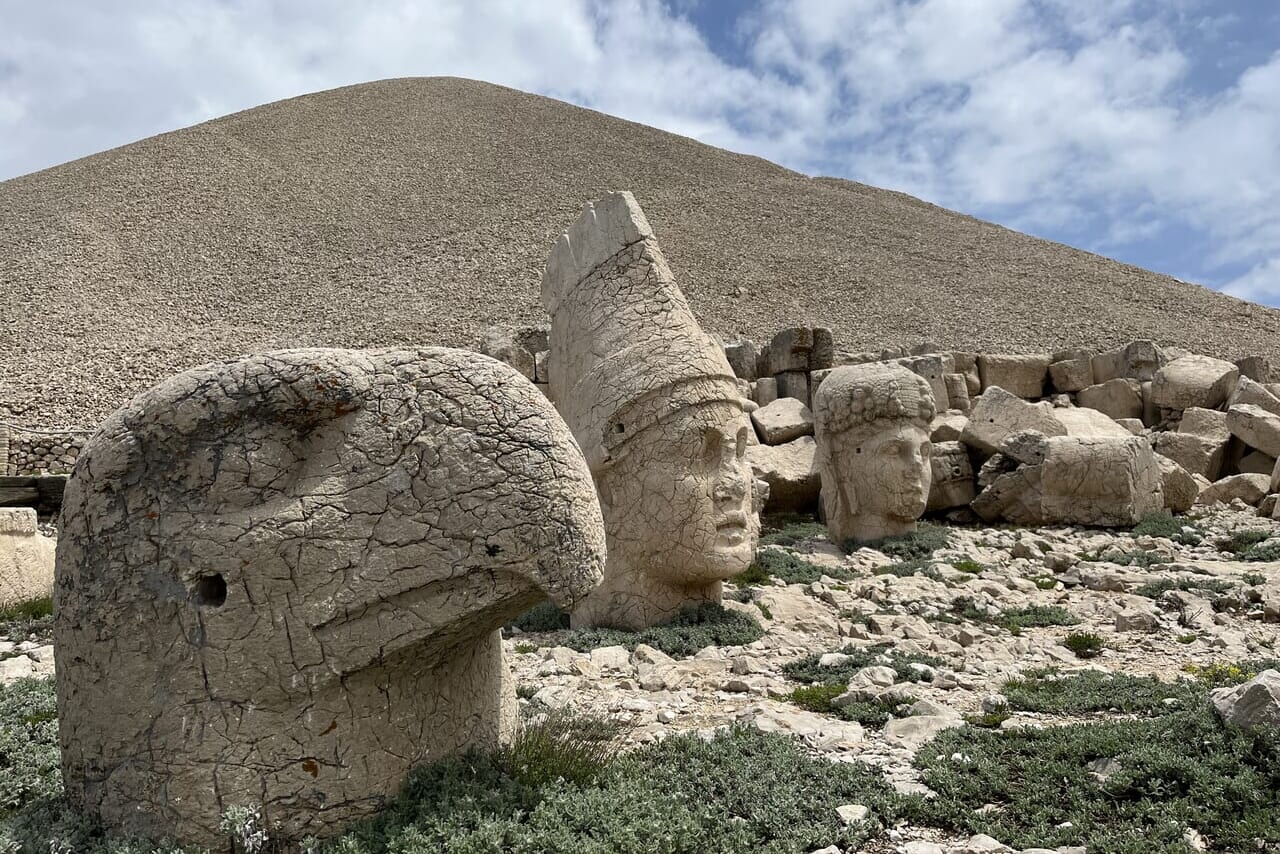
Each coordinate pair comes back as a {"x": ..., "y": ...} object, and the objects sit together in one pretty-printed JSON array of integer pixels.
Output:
[{"x": 730, "y": 521}]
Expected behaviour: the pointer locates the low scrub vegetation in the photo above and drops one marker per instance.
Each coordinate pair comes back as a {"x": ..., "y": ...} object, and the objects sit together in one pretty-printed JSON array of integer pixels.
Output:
[
  {"x": 871, "y": 712},
  {"x": 773, "y": 564},
  {"x": 1163, "y": 524},
  {"x": 810, "y": 671},
  {"x": 790, "y": 529},
  {"x": 917, "y": 545},
  {"x": 1159, "y": 587},
  {"x": 1177, "y": 769},
  {"x": 1084, "y": 644},
  {"x": 1090, "y": 691},
  {"x": 1014, "y": 619},
  {"x": 28, "y": 619},
  {"x": 693, "y": 629}
]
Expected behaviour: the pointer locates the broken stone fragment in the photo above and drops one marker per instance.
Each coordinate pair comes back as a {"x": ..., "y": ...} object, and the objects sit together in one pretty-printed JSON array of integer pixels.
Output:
[
  {"x": 998, "y": 413},
  {"x": 1256, "y": 427},
  {"x": 782, "y": 421},
  {"x": 26, "y": 557},
  {"x": 1023, "y": 376},
  {"x": 1194, "y": 381}
]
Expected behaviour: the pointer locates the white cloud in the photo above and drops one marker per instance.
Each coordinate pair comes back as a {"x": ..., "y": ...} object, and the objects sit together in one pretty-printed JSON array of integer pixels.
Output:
[{"x": 1071, "y": 118}]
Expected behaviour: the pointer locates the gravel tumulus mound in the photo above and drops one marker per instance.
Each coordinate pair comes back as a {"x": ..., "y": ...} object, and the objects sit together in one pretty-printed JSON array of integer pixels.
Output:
[{"x": 419, "y": 211}]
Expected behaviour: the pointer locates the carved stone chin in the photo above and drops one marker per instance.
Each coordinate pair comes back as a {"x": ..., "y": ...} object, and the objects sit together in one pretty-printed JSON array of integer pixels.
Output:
[
  {"x": 659, "y": 415},
  {"x": 871, "y": 426},
  {"x": 280, "y": 582}
]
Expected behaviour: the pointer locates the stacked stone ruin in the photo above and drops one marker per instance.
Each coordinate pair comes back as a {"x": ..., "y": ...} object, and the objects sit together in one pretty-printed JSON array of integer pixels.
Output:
[
  {"x": 28, "y": 453},
  {"x": 1120, "y": 426}
]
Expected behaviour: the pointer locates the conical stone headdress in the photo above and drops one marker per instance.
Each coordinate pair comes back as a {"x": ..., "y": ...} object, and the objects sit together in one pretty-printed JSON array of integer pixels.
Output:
[{"x": 626, "y": 351}]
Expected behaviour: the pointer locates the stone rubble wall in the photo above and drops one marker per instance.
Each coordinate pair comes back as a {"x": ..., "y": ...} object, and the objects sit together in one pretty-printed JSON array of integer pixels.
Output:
[
  {"x": 30, "y": 454},
  {"x": 1213, "y": 425}
]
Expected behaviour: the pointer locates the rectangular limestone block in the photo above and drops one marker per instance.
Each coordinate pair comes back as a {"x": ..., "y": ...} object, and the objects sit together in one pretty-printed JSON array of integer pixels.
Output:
[
  {"x": 1071, "y": 373},
  {"x": 789, "y": 350},
  {"x": 822, "y": 355},
  {"x": 742, "y": 358},
  {"x": 1117, "y": 398},
  {"x": 794, "y": 384},
  {"x": 766, "y": 391},
  {"x": 1023, "y": 376}
]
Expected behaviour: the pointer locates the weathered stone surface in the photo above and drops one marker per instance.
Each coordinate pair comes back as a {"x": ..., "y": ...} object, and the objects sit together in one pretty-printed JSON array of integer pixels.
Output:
[
  {"x": 947, "y": 427},
  {"x": 871, "y": 425},
  {"x": 1249, "y": 391},
  {"x": 503, "y": 344},
  {"x": 1253, "y": 704},
  {"x": 1133, "y": 425},
  {"x": 742, "y": 356},
  {"x": 1249, "y": 488},
  {"x": 997, "y": 413},
  {"x": 280, "y": 582},
  {"x": 1026, "y": 447},
  {"x": 957, "y": 392},
  {"x": 1199, "y": 445},
  {"x": 791, "y": 473},
  {"x": 1071, "y": 371},
  {"x": 822, "y": 353},
  {"x": 952, "y": 482},
  {"x": 1138, "y": 360},
  {"x": 658, "y": 413},
  {"x": 967, "y": 364},
  {"x": 1194, "y": 381},
  {"x": 789, "y": 350},
  {"x": 782, "y": 421},
  {"x": 1103, "y": 482},
  {"x": 1084, "y": 423},
  {"x": 766, "y": 391},
  {"x": 1179, "y": 487},
  {"x": 26, "y": 557},
  {"x": 1117, "y": 398},
  {"x": 933, "y": 368},
  {"x": 794, "y": 384},
  {"x": 1256, "y": 462},
  {"x": 1023, "y": 376},
  {"x": 1256, "y": 427}
]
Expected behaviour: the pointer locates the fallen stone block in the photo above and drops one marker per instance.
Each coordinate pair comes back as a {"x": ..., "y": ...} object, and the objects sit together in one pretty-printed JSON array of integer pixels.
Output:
[
  {"x": 1023, "y": 376},
  {"x": 1117, "y": 398},
  {"x": 790, "y": 471},
  {"x": 953, "y": 480},
  {"x": 999, "y": 413},
  {"x": 1179, "y": 486},
  {"x": 782, "y": 421},
  {"x": 1071, "y": 371},
  {"x": 1256, "y": 427},
  {"x": 1252, "y": 705},
  {"x": 1249, "y": 488},
  {"x": 1086, "y": 423},
  {"x": 1193, "y": 381},
  {"x": 26, "y": 557},
  {"x": 1249, "y": 391}
]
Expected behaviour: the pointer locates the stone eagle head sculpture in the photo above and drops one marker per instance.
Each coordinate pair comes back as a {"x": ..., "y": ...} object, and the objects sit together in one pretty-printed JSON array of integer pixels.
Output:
[{"x": 280, "y": 582}]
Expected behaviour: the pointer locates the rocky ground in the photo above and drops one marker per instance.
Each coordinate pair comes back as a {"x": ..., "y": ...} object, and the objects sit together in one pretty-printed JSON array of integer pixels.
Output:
[
  {"x": 932, "y": 638},
  {"x": 1229, "y": 612}
]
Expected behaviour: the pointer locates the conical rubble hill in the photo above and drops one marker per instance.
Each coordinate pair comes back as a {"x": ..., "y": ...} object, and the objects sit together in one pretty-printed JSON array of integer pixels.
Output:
[{"x": 422, "y": 210}]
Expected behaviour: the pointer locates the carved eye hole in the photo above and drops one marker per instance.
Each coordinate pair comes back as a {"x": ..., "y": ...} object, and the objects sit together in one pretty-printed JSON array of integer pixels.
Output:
[
  {"x": 209, "y": 591},
  {"x": 619, "y": 427}
]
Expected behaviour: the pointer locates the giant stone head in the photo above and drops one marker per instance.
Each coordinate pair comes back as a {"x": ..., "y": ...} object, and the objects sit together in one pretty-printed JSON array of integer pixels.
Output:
[{"x": 280, "y": 582}]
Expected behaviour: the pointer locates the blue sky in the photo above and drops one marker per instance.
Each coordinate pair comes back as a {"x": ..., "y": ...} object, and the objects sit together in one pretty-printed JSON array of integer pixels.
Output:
[{"x": 1147, "y": 131}]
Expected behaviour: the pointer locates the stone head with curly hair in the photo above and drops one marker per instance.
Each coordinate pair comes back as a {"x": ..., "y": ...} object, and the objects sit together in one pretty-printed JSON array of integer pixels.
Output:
[{"x": 871, "y": 423}]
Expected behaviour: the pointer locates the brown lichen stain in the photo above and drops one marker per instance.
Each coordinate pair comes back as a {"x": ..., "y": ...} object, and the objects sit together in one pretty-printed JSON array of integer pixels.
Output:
[
  {"x": 331, "y": 728},
  {"x": 311, "y": 767}
]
